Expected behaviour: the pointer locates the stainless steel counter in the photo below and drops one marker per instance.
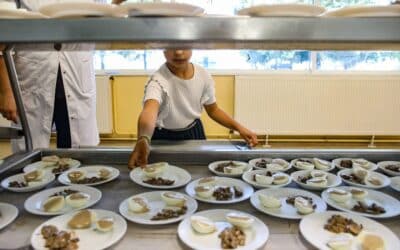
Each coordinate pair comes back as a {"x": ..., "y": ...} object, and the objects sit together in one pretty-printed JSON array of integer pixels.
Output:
[{"x": 284, "y": 233}]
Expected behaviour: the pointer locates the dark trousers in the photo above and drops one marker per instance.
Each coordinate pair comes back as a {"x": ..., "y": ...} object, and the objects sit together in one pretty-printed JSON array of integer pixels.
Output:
[
  {"x": 194, "y": 131},
  {"x": 60, "y": 114}
]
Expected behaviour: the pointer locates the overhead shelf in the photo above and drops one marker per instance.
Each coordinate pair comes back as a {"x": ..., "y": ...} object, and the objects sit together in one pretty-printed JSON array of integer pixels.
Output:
[
  {"x": 208, "y": 33},
  {"x": 10, "y": 133}
]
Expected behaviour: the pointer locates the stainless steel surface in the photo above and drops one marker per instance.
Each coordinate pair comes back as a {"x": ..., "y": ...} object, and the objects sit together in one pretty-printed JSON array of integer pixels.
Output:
[
  {"x": 209, "y": 33},
  {"x": 284, "y": 233},
  {"x": 9, "y": 60},
  {"x": 16, "y": 161},
  {"x": 10, "y": 132}
]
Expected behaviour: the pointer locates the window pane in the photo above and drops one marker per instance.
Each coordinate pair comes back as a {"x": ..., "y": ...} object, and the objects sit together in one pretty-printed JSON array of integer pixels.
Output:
[
  {"x": 359, "y": 60},
  {"x": 333, "y": 4},
  {"x": 210, "y": 59}
]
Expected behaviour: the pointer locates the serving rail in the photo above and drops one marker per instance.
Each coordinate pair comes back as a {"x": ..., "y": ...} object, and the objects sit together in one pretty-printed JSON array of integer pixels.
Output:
[{"x": 284, "y": 234}]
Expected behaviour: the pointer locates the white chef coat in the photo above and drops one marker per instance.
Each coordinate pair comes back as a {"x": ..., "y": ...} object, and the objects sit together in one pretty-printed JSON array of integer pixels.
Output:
[{"x": 37, "y": 75}]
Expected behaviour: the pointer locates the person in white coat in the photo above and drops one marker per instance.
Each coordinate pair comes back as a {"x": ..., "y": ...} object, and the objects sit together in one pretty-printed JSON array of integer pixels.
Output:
[{"x": 57, "y": 87}]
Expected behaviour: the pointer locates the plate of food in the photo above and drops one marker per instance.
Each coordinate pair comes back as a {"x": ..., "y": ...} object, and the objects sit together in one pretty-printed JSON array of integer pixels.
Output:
[
  {"x": 338, "y": 230},
  {"x": 266, "y": 179},
  {"x": 395, "y": 183},
  {"x": 288, "y": 203},
  {"x": 315, "y": 179},
  {"x": 223, "y": 229},
  {"x": 90, "y": 175},
  {"x": 349, "y": 163},
  {"x": 312, "y": 163},
  {"x": 160, "y": 175},
  {"x": 360, "y": 177},
  {"x": 282, "y": 10},
  {"x": 92, "y": 229},
  {"x": 160, "y": 9},
  {"x": 273, "y": 165},
  {"x": 76, "y": 9},
  {"x": 219, "y": 190},
  {"x": 391, "y": 168},
  {"x": 28, "y": 182},
  {"x": 365, "y": 11},
  {"x": 365, "y": 202},
  {"x": 54, "y": 164},
  {"x": 229, "y": 168},
  {"x": 158, "y": 207},
  {"x": 61, "y": 200},
  {"x": 8, "y": 213}
]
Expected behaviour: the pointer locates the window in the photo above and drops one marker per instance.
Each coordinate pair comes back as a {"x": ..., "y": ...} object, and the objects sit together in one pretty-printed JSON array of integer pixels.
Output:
[
  {"x": 358, "y": 61},
  {"x": 334, "y": 4},
  {"x": 258, "y": 59},
  {"x": 210, "y": 59}
]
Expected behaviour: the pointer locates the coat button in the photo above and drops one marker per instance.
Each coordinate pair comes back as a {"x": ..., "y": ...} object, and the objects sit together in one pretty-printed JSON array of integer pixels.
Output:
[{"x": 57, "y": 46}]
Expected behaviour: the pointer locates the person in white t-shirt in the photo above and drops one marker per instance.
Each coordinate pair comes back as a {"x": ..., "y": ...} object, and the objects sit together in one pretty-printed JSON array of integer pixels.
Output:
[{"x": 174, "y": 98}]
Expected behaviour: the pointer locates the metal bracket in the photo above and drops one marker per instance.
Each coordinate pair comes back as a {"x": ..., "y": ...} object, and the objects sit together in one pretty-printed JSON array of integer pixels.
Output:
[
  {"x": 266, "y": 143},
  {"x": 12, "y": 75},
  {"x": 372, "y": 142}
]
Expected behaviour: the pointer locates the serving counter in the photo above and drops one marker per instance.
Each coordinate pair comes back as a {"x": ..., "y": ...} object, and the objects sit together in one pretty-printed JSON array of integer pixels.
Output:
[{"x": 193, "y": 156}]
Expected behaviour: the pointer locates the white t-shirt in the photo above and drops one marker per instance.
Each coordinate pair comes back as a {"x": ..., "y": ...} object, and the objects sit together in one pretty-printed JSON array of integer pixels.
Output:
[{"x": 181, "y": 101}]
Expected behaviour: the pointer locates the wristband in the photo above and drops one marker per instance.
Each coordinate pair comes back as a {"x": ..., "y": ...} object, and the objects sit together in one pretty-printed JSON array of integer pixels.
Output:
[{"x": 146, "y": 137}]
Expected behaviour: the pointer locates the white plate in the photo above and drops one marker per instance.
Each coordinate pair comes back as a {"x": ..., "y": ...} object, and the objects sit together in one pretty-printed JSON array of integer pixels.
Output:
[
  {"x": 156, "y": 204},
  {"x": 294, "y": 161},
  {"x": 19, "y": 14},
  {"x": 213, "y": 165},
  {"x": 34, "y": 203},
  {"x": 8, "y": 214},
  {"x": 42, "y": 165},
  {"x": 179, "y": 175},
  {"x": 395, "y": 183},
  {"x": 248, "y": 177},
  {"x": 383, "y": 164},
  {"x": 313, "y": 225},
  {"x": 337, "y": 161},
  {"x": 222, "y": 181},
  {"x": 365, "y": 11},
  {"x": 256, "y": 236},
  {"x": 286, "y": 211},
  {"x": 254, "y": 161},
  {"x": 391, "y": 205},
  {"x": 47, "y": 179},
  {"x": 383, "y": 178},
  {"x": 77, "y": 9},
  {"x": 89, "y": 239},
  {"x": 160, "y": 9},
  {"x": 333, "y": 180},
  {"x": 90, "y": 172},
  {"x": 282, "y": 10}
]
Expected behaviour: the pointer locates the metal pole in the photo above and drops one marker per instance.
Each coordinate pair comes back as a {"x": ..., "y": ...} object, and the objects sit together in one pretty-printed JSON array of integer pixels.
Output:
[{"x": 12, "y": 74}]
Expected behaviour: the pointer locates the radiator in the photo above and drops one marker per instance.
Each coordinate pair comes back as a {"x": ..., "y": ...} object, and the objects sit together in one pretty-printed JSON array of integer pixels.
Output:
[
  {"x": 104, "y": 105},
  {"x": 319, "y": 104}
]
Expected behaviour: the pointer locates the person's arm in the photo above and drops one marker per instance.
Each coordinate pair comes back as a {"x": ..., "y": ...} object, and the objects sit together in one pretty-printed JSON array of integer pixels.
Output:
[
  {"x": 146, "y": 125},
  {"x": 7, "y": 103},
  {"x": 218, "y": 115}
]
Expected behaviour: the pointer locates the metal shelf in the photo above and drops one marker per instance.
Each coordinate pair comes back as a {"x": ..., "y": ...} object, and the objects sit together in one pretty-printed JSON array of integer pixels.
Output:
[
  {"x": 10, "y": 133},
  {"x": 208, "y": 33}
]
